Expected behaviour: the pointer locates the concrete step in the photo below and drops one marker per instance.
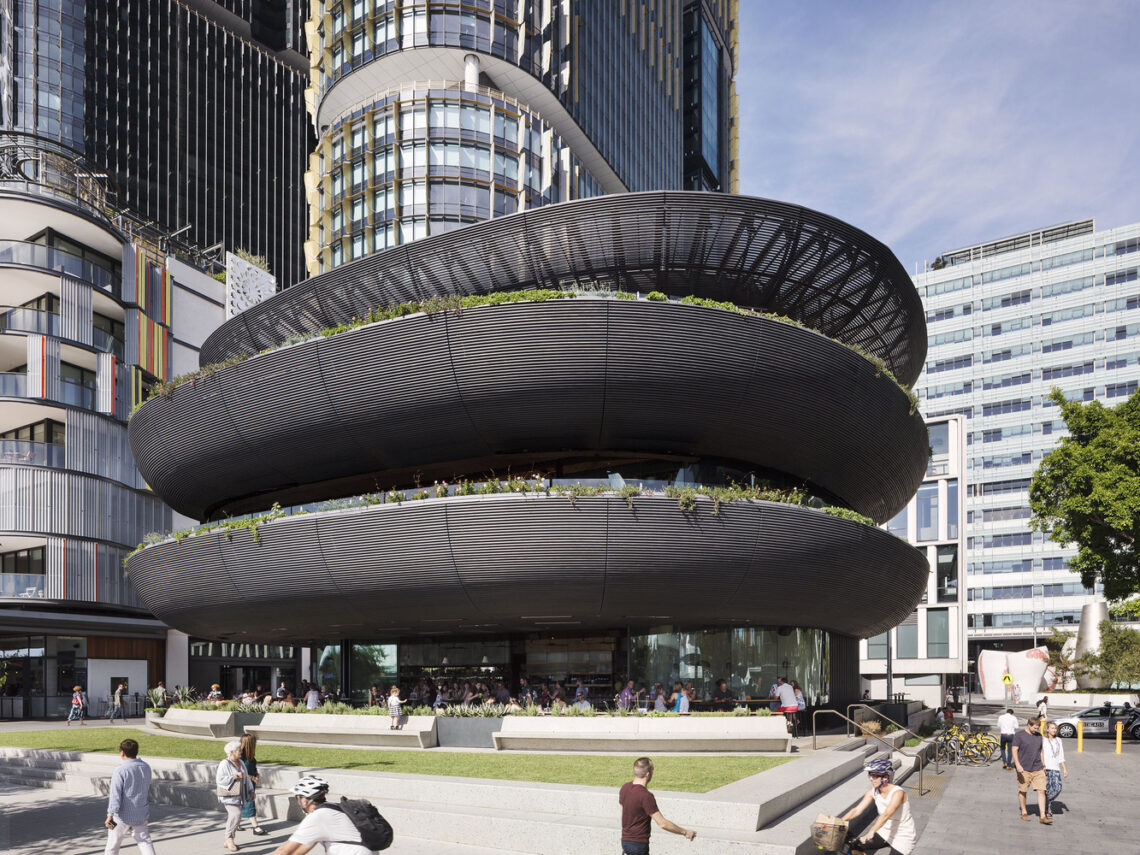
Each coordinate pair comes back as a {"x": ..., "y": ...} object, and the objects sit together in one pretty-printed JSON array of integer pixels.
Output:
[{"x": 533, "y": 818}]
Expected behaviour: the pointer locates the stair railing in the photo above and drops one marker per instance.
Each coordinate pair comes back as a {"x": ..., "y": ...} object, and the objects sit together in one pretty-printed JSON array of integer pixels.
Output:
[{"x": 922, "y": 791}]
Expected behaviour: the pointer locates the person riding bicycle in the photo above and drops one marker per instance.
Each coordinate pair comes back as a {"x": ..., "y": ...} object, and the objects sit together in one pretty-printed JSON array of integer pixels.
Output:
[
  {"x": 329, "y": 827},
  {"x": 893, "y": 829}
]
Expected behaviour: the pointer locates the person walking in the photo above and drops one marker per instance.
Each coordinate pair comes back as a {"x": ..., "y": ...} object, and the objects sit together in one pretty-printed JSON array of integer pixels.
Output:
[
  {"x": 117, "y": 708},
  {"x": 1043, "y": 709},
  {"x": 893, "y": 829},
  {"x": 330, "y": 827},
  {"x": 128, "y": 805},
  {"x": 1055, "y": 767},
  {"x": 1030, "y": 765},
  {"x": 234, "y": 788},
  {"x": 249, "y": 761},
  {"x": 638, "y": 807},
  {"x": 1007, "y": 727},
  {"x": 78, "y": 703}
]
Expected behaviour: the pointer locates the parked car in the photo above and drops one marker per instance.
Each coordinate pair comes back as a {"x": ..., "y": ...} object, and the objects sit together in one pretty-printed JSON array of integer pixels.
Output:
[{"x": 1101, "y": 721}]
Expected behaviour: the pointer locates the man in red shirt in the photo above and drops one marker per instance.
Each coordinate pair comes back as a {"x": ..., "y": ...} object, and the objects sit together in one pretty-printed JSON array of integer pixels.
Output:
[{"x": 638, "y": 806}]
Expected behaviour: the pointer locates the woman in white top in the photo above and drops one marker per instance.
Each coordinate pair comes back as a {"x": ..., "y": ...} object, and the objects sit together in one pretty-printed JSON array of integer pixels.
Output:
[
  {"x": 1043, "y": 708},
  {"x": 234, "y": 788},
  {"x": 1053, "y": 752},
  {"x": 893, "y": 829}
]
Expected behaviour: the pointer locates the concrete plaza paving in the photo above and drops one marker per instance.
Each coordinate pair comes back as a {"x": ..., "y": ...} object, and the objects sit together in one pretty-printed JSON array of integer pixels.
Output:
[
  {"x": 977, "y": 811},
  {"x": 52, "y": 822},
  {"x": 968, "y": 810}
]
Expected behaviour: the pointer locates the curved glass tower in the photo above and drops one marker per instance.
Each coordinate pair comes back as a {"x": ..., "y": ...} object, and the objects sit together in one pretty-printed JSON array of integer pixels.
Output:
[{"x": 433, "y": 115}]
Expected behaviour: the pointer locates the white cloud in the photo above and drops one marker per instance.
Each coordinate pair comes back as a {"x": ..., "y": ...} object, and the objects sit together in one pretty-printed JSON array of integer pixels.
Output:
[{"x": 934, "y": 127}]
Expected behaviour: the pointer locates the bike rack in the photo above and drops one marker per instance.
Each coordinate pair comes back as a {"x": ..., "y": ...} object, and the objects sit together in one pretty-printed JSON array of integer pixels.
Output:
[{"x": 922, "y": 791}]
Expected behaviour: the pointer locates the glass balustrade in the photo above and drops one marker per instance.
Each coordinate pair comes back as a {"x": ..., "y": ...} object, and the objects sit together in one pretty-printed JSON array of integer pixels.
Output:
[
  {"x": 14, "y": 385},
  {"x": 32, "y": 453},
  {"x": 104, "y": 341},
  {"x": 50, "y": 258},
  {"x": 77, "y": 394},
  {"x": 30, "y": 320},
  {"x": 22, "y": 585}
]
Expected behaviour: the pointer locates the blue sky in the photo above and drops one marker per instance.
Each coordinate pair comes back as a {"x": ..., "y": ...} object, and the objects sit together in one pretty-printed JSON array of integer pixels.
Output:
[{"x": 937, "y": 125}]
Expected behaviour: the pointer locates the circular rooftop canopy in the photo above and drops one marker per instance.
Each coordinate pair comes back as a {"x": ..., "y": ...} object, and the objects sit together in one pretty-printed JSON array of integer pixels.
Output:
[{"x": 756, "y": 253}]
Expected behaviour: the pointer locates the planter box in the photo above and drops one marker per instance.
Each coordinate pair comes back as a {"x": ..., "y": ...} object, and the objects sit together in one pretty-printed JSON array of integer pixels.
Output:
[
  {"x": 197, "y": 722},
  {"x": 417, "y": 731},
  {"x": 644, "y": 733},
  {"x": 896, "y": 738},
  {"x": 467, "y": 732}
]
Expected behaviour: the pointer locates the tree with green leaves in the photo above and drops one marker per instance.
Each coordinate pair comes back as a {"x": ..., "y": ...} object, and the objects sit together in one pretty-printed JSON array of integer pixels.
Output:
[
  {"x": 1117, "y": 662},
  {"x": 1087, "y": 492},
  {"x": 1064, "y": 666}
]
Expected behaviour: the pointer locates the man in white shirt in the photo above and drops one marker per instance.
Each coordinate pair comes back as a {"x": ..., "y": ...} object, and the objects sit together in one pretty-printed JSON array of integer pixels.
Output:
[
  {"x": 330, "y": 827},
  {"x": 1007, "y": 727}
]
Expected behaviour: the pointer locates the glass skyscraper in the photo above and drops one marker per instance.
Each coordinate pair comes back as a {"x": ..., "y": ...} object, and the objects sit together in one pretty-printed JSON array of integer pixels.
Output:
[
  {"x": 432, "y": 115},
  {"x": 194, "y": 109},
  {"x": 1009, "y": 320}
]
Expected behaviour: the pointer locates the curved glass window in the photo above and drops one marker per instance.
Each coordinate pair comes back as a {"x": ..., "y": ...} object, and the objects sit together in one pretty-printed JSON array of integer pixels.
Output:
[
  {"x": 444, "y": 157},
  {"x": 749, "y": 658}
]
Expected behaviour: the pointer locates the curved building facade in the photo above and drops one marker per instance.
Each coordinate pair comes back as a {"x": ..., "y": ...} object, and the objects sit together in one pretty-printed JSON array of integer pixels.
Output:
[
  {"x": 85, "y": 324},
  {"x": 644, "y": 482},
  {"x": 435, "y": 115}
]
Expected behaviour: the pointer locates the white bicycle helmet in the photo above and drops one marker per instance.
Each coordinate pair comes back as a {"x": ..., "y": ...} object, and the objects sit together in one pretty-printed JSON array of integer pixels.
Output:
[
  {"x": 310, "y": 786},
  {"x": 882, "y": 766}
]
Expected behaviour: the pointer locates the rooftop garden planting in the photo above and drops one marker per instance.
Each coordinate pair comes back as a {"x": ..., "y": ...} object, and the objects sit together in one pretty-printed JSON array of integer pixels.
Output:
[{"x": 456, "y": 304}]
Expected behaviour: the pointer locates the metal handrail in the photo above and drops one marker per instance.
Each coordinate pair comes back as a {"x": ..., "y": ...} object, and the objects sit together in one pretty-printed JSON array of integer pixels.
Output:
[
  {"x": 880, "y": 715},
  {"x": 921, "y": 790}
]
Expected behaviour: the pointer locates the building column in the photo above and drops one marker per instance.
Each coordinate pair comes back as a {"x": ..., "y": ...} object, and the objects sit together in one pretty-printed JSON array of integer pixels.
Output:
[
  {"x": 177, "y": 659},
  {"x": 471, "y": 71}
]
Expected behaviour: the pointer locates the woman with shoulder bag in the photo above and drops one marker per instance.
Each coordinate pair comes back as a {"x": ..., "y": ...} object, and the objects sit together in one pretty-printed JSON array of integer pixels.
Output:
[
  {"x": 249, "y": 761},
  {"x": 234, "y": 788}
]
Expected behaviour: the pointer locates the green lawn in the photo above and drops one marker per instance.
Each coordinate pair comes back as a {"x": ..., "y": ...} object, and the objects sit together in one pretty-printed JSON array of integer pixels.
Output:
[{"x": 691, "y": 774}]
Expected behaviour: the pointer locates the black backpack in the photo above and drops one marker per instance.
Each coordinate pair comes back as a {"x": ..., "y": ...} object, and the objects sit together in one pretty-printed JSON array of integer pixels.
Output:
[{"x": 375, "y": 831}]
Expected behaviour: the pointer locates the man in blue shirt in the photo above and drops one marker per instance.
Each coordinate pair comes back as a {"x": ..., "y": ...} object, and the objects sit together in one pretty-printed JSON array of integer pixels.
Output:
[{"x": 128, "y": 808}]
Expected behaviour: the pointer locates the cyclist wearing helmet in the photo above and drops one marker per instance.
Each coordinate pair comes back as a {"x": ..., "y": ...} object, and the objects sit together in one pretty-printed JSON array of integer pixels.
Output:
[
  {"x": 330, "y": 827},
  {"x": 893, "y": 829}
]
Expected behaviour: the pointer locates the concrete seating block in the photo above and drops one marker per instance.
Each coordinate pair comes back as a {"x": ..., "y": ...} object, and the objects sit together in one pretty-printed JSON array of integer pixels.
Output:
[
  {"x": 197, "y": 722},
  {"x": 644, "y": 733},
  {"x": 372, "y": 730}
]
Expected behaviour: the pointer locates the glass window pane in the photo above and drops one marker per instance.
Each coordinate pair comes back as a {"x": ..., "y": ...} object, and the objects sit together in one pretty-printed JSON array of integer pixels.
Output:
[
  {"x": 940, "y": 438},
  {"x": 947, "y": 573},
  {"x": 907, "y": 638},
  {"x": 951, "y": 508},
  {"x": 877, "y": 646},
  {"x": 937, "y": 633},
  {"x": 927, "y": 512}
]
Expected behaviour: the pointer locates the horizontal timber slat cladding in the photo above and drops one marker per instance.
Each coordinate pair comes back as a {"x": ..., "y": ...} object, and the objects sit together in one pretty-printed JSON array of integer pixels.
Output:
[
  {"x": 511, "y": 562},
  {"x": 450, "y": 395}
]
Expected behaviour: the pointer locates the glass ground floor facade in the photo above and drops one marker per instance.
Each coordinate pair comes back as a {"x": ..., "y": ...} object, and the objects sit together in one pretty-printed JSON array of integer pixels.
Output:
[
  {"x": 40, "y": 670},
  {"x": 748, "y": 658}
]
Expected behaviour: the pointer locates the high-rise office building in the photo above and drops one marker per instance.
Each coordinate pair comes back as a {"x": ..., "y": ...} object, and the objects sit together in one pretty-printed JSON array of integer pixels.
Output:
[
  {"x": 435, "y": 115},
  {"x": 195, "y": 109},
  {"x": 927, "y": 651},
  {"x": 1009, "y": 320}
]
